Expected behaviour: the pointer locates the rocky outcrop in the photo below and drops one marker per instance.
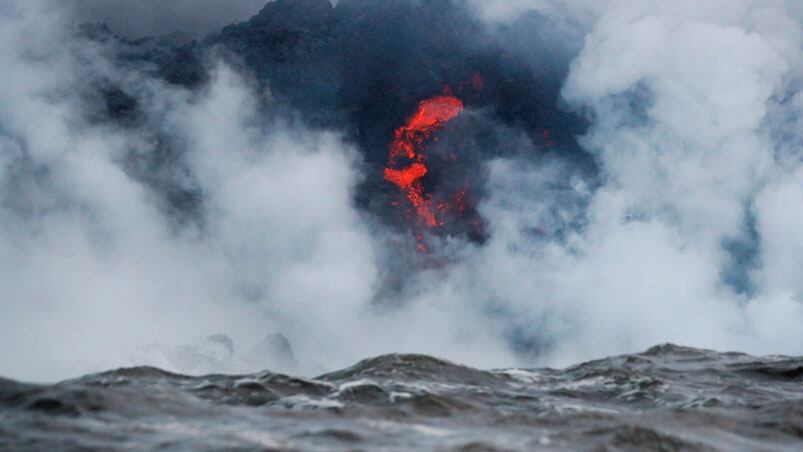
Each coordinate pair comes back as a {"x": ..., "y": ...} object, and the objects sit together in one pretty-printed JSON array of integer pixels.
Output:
[{"x": 361, "y": 67}]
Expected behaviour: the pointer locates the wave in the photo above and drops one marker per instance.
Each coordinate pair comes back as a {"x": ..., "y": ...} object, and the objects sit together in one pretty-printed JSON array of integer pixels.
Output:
[{"x": 666, "y": 398}]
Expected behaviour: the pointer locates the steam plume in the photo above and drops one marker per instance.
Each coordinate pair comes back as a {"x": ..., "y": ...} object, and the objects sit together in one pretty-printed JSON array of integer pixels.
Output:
[{"x": 636, "y": 169}]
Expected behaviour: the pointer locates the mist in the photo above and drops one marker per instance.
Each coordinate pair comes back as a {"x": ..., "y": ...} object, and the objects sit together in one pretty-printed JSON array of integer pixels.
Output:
[{"x": 668, "y": 214}]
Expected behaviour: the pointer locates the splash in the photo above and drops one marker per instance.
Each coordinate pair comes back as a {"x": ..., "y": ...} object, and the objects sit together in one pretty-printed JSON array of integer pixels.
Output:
[{"x": 409, "y": 143}]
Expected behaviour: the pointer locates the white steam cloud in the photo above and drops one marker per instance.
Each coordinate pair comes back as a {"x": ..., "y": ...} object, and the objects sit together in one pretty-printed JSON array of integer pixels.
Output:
[
  {"x": 687, "y": 99},
  {"x": 90, "y": 265},
  {"x": 690, "y": 234}
]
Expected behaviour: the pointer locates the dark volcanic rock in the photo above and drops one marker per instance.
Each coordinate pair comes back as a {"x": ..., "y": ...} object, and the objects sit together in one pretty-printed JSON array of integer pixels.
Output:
[
  {"x": 362, "y": 67},
  {"x": 364, "y": 64},
  {"x": 305, "y": 14}
]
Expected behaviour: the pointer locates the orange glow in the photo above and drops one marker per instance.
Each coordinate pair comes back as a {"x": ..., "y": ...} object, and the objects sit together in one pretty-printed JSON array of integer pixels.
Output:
[
  {"x": 431, "y": 115},
  {"x": 409, "y": 142},
  {"x": 406, "y": 177}
]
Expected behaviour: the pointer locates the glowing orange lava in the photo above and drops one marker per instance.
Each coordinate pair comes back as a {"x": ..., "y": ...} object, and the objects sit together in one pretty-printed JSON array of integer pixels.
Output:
[
  {"x": 406, "y": 177},
  {"x": 409, "y": 142},
  {"x": 431, "y": 115}
]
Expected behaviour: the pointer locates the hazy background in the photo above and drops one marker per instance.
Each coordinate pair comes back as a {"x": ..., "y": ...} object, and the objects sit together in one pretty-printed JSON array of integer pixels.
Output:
[{"x": 690, "y": 232}]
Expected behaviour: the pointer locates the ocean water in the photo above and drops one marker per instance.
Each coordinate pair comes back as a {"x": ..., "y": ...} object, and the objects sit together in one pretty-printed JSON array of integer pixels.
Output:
[{"x": 668, "y": 398}]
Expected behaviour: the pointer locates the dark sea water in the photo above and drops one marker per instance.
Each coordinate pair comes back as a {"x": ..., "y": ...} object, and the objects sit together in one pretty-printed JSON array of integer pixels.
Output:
[{"x": 668, "y": 398}]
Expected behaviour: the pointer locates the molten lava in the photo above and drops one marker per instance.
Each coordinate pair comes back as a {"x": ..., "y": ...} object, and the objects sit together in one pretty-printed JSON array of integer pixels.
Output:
[
  {"x": 409, "y": 142},
  {"x": 406, "y": 177},
  {"x": 431, "y": 115}
]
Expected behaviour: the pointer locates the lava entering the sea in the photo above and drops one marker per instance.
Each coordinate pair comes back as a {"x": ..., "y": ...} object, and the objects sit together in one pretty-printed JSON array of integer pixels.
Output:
[{"x": 409, "y": 144}]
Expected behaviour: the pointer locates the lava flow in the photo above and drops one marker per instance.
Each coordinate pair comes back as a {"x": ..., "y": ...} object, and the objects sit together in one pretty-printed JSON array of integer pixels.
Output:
[{"x": 409, "y": 143}]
